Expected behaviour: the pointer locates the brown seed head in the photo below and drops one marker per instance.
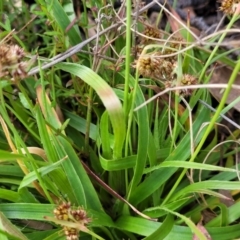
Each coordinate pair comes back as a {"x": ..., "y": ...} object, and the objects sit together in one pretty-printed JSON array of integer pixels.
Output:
[
  {"x": 186, "y": 80},
  {"x": 229, "y": 6},
  {"x": 151, "y": 32},
  {"x": 65, "y": 212},
  {"x": 11, "y": 62},
  {"x": 152, "y": 66}
]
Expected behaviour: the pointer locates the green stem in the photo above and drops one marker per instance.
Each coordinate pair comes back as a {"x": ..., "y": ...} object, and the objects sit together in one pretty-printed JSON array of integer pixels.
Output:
[
  {"x": 90, "y": 93},
  {"x": 128, "y": 58},
  {"x": 217, "y": 46},
  {"x": 88, "y": 119},
  {"x": 126, "y": 89}
]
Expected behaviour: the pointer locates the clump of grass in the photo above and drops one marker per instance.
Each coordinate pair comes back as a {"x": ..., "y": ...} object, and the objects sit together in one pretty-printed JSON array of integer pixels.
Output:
[{"x": 82, "y": 128}]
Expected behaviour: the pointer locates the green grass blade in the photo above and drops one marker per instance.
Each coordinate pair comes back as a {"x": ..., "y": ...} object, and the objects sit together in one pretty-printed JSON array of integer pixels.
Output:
[
  {"x": 78, "y": 179},
  {"x": 10, "y": 195},
  {"x": 7, "y": 226},
  {"x": 29, "y": 178},
  {"x": 105, "y": 139},
  {"x": 211, "y": 184},
  {"x": 143, "y": 137},
  {"x": 145, "y": 227},
  {"x": 119, "y": 164},
  {"x": 159, "y": 177},
  {"x": 109, "y": 99},
  {"x": 189, "y": 165},
  {"x": 163, "y": 230}
]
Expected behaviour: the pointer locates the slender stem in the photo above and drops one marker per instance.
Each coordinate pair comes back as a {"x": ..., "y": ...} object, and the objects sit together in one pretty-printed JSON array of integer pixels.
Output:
[
  {"x": 234, "y": 18},
  {"x": 128, "y": 58},
  {"x": 88, "y": 119},
  {"x": 126, "y": 89},
  {"x": 90, "y": 93},
  {"x": 75, "y": 49}
]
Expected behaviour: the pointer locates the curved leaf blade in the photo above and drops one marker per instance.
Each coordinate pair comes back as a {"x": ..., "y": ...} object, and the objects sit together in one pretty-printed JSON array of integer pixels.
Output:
[{"x": 109, "y": 99}]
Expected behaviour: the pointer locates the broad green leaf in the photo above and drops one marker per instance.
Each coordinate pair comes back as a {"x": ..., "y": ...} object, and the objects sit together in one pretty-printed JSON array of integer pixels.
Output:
[
  {"x": 109, "y": 99},
  {"x": 11, "y": 170},
  {"x": 77, "y": 176},
  {"x": 39, "y": 211},
  {"x": 145, "y": 228}
]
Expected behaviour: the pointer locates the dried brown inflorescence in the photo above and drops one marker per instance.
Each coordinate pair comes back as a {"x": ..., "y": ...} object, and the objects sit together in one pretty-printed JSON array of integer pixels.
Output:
[
  {"x": 161, "y": 64},
  {"x": 65, "y": 212},
  {"x": 152, "y": 66},
  {"x": 229, "y": 6},
  {"x": 150, "y": 35},
  {"x": 186, "y": 80},
  {"x": 12, "y": 64}
]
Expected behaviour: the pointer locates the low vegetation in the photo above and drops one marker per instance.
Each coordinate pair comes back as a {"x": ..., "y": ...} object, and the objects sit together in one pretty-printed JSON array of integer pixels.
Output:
[{"x": 107, "y": 127}]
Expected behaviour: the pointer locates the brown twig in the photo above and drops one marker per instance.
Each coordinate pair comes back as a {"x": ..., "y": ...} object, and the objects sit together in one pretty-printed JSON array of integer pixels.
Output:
[
  {"x": 112, "y": 192},
  {"x": 75, "y": 49}
]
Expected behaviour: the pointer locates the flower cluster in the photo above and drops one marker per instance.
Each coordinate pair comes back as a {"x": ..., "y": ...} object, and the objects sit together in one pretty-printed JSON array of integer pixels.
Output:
[
  {"x": 229, "y": 6},
  {"x": 152, "y": 66},
  {"x": 186, "y": 80},
  {"x": 158, "y": 65},
  {"x": 66, "y": 213},
  {"x": 11, "y": 62},
  {"x": 150, "y": 33}
]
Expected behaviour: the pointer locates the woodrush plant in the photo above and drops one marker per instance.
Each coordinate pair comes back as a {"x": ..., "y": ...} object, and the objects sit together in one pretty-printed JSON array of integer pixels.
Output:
[{"x": 72, "y": 143}]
